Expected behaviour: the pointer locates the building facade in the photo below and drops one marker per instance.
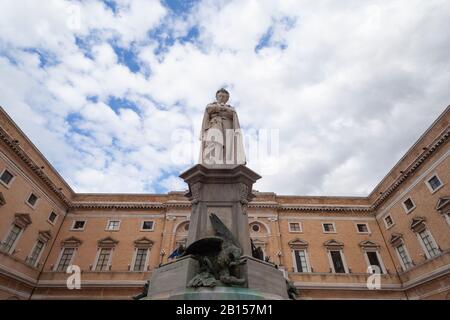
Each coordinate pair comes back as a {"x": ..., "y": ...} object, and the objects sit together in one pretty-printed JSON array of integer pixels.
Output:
[{"x": 327, "y": 246}]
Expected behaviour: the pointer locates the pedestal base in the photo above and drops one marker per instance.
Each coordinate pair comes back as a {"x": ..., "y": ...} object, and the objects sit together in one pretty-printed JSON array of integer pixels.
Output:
[
  {"x": 216, "y": 293},
  {"x": 169, "y": 282}
]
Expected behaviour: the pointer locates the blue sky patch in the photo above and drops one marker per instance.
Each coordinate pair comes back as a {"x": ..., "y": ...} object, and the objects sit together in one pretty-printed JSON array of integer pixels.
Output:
[
  {"x": 111, "y": 4},
  {"x": 179, "y": 6},
  {"x": 117, "y": 103},
  {"x": 127, "y": 57},
  {"x": 46, "y": 59},
  {"x": 264, "y": 40}
]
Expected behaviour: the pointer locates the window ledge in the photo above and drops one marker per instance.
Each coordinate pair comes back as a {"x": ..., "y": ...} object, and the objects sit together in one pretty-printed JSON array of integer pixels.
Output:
[
  {"x": 420, "y": 264},
  {"x": 7, "y": 186}
]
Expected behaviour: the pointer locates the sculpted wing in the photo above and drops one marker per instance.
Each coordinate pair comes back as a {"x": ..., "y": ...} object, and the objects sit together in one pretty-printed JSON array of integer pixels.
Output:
[{"x": 221, "y": 229}]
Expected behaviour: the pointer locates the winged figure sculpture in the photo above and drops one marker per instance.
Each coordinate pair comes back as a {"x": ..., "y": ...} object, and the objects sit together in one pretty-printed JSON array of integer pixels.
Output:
[{"x": 219, "y": 258}]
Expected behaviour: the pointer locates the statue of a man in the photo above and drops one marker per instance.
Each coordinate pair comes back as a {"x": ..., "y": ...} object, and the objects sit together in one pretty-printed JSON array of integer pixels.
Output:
[{"x": 221, "y": 134}]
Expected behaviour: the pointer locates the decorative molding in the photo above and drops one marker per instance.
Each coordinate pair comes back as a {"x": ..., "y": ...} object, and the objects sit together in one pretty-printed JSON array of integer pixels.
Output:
[
  {"x": 107, "y": 242},
  {"x": 298, "y": 243},
  {"x": 326, "y": 208},
  {"x": 443, "y": 205},
  {"x": 396, "y": 239},
  {"x": 432, "y": 148},
  {"x": 114, "y": 215},
  {"x": 195, "y": 192},
  {"x": 45, "y": 236},
  {"x": 264, "y": 228},
  {"x": 24, "y": 295},
  {"x": 259, "y": 242},
  {"x": 17, "y": 275},
  {"x": 414, "y": 183},
  {"x": 326, "y": 217},
  {"x": 177, "y": 205},
  {"x": 333, "y": 244},
  {"x": 71, "y": 242},
  {"x": 143, "y": 243},
  {"x": 36, "y": 169},
  {"x": 117, "y": 205},
  {"x": 367, "y": 244},
  {"x": 263, "y": 205},
  {"x": 417, "y": 224},
  {"x": 94, "y": 283},
  {"x": 344, "y": 286},
  {"x": 23, "y": 220}
]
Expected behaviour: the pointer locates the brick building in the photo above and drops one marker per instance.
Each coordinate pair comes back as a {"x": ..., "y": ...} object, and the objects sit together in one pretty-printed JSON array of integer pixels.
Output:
[{"x": 324, "y": 244}]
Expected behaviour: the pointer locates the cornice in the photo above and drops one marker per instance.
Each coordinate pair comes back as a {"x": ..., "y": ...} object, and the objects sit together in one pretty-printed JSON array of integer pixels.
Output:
[
  {"x": 431, "y": 149},
  {"x": 17, "y": 150},
  {"x": 264, "y": 205},
  {"x": 187, "y": 205},
  {"x": 117, "y": 205},
  {"x": 129, "y": 205},
  {"x": 326, "y": 208}
]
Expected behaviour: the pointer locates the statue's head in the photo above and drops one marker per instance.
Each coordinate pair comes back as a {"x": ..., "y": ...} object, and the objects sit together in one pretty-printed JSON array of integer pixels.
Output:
[{"x": 222, "y": 96}]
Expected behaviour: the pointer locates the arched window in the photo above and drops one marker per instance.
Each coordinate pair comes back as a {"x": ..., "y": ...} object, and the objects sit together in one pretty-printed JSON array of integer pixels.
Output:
[{"x": 181, "y": 233}]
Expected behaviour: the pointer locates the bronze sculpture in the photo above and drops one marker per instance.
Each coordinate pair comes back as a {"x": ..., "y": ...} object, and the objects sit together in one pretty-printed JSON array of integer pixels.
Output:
[{"x": 219, "y": 258}]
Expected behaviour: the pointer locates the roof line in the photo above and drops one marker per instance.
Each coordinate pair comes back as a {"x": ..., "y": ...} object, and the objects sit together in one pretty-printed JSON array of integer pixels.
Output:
[
  {"x": 447, "y": 109},
  {"x": 44, "y": 159}
]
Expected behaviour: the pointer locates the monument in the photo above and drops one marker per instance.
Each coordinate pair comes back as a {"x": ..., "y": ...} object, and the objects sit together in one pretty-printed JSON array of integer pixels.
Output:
[{"x": 217, "y": 262}]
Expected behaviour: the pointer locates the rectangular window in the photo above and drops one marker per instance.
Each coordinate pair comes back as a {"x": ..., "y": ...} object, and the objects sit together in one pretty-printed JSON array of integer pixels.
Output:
[
  {"x": 388, "y": 221},
  {"x": 408, "y": 204},
  {"x": 372, "y": 256},
  {"x": 404, "y": 257},
  {"x": 6, "y": 177},
  {"x": 434, "y": 183},
  {"x": 139, "y": 262},
  {"x": 338, "y": 263},
  {"x": 328, "y": 227},
  {"x": 11, "y": 239},
  {"x": 301, "y": 263},
  {"x": 362, "y": 227},
  {"x": 428, "y": 243},
  {"x": 78, "y": 225},
  {"x": 32, "y": 199},
  {"x": 66, "y": 258},
  {"x": 295, "y": 227},
  {"x": 113, "y": 225},
  {"x": 103, "y": 259},
  {"x": 52, "y": 217},
  {"x": 33, "y": 258},
  {"x": 147, "y": 225}
]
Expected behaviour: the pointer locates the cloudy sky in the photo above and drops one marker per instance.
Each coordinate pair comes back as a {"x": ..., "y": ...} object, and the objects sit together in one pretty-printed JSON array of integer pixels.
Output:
[{"x": 104, "y": 88}]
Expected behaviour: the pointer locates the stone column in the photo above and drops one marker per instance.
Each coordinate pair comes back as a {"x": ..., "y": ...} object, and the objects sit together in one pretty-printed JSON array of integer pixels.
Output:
[{"x": 224, "y": 190}]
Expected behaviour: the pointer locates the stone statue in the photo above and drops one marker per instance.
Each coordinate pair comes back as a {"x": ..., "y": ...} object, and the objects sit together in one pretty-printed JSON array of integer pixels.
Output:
[
  {"x": 144, "y": 292},
  {"x": 292, "y": 290},
  {"x": 221, "y": 136},
  {"x": 219, "y": 258},
  {"x": 257, "y": 252}
]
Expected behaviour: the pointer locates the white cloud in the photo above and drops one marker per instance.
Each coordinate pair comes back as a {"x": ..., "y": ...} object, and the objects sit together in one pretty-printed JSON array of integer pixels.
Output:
[{"x": 349, "y": 85}]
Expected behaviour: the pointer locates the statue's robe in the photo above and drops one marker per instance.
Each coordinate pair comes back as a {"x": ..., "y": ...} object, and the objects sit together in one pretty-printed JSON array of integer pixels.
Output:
[{"x": 221, "y": 131}]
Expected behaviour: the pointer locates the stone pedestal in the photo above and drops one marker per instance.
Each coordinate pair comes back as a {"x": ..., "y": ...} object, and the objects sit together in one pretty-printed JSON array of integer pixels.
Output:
[
  {"x": 224, "y": 190},
  {"x": 169, "y": 282},
  {"x": 172, "y": 278}
]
